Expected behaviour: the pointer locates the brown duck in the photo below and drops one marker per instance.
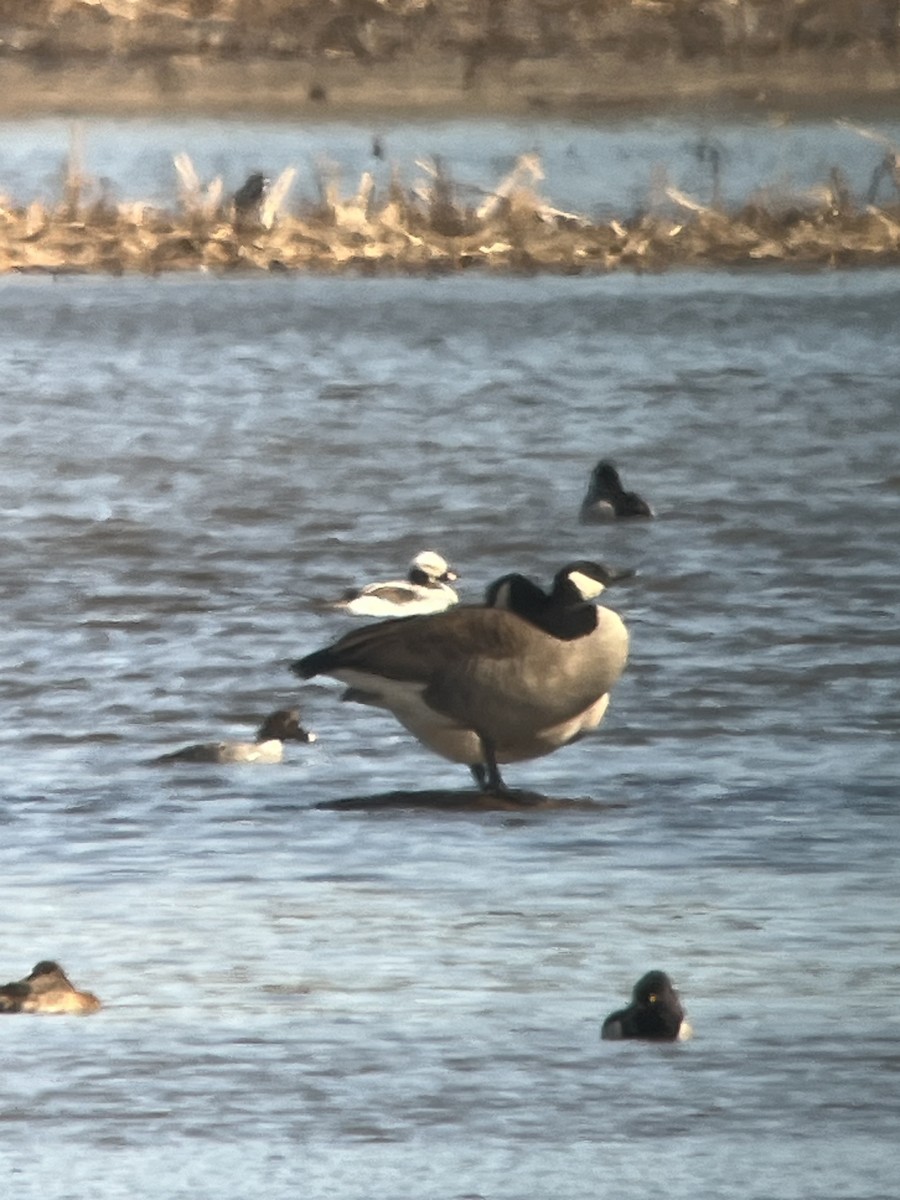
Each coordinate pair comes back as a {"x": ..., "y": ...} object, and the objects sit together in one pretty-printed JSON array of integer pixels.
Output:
[{"x": 46, "y": 990}]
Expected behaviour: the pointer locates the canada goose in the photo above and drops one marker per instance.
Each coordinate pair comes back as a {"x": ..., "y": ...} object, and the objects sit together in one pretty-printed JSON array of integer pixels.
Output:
[
  {"x": 425, "y": 590},
  {"x": 46, "y": 990},
  {"x": 565, "y": 611},
  {"x": 484, "y": 685},
  {"x": 279, "y": 727},
  {"x": 655, "y": 1013},
  {"x": 606, "y": 498}
]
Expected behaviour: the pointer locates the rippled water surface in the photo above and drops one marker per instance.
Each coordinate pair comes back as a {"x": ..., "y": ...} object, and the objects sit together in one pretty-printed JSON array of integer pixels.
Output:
[{"x": 407, "y": 1003}]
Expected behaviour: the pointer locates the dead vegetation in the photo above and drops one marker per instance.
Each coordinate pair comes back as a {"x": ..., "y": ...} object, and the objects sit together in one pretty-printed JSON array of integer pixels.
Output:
[
  {"x": 434, "y": 226},
  {"x": 479, "y": 32},
  {"x": 281, "y": 57}
]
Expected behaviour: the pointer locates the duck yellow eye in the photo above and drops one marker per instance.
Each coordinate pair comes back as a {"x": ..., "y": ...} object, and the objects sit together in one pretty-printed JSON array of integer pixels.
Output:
[{"x": 652, "y": 997}]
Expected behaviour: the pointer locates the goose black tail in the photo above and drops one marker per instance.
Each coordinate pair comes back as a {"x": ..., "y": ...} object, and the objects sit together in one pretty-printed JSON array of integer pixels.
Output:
[{"x": 312, "y": 664}]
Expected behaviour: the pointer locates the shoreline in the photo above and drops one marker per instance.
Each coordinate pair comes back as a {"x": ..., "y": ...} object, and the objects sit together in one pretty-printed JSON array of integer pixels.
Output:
[
  {"x": 424, "y": 231},
  {"x": 605, "y": 87},
  {"x": 408, "y": 232}
]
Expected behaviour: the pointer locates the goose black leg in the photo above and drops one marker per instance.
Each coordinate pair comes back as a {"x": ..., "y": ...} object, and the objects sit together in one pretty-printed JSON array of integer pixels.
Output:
[
  {"x": 493, "y": 783},
  {"x": 479, "y": 774}
]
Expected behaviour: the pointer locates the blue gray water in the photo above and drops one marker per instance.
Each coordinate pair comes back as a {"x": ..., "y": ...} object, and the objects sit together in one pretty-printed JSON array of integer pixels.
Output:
[
  {"x": 407, "y": 1004},
  {"x": 599, "y": 170}
]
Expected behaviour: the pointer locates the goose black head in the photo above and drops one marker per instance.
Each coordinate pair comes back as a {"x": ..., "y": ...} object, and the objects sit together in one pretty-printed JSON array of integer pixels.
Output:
[{"x": 581, "y": 581}]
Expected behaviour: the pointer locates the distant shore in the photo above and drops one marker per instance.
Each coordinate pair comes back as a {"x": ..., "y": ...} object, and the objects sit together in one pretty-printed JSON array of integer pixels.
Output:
[
  {"x": 591, "y": 59},
  {"x": 600, "y": 88},
  {"x": 429, "y": 230},
  {"x": 409, "y": 233}
]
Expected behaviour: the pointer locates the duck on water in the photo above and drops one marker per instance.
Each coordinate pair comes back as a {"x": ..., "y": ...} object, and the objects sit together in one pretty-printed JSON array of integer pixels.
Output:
[
  {"x": 607, "y": 499},
  {"x": 46, "y": 990},
  {"x": 514, "y": 679},
  {"x": 278, "y": 727},
  {"x": 426, "y": 589},
  {"x": 655, "y": 1013}
]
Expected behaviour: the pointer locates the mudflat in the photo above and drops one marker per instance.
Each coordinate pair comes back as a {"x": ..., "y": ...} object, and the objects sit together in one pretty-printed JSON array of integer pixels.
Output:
[{"x": 829, "y": 83}]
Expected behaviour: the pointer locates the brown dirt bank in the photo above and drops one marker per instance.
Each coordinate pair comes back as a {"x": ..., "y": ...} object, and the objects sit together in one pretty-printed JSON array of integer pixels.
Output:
[
  {"x": 315, "y": 59},
  {"x": 444, "y": 57},
  {"x": 823, "y": 84}
]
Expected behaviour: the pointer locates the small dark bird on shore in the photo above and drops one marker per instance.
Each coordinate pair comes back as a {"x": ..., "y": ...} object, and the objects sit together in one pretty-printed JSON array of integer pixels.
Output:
[
  {"x": 655, "y": 1013},
  {"x": 247, "y": 200},
  {"x": 607, "y": 499}
]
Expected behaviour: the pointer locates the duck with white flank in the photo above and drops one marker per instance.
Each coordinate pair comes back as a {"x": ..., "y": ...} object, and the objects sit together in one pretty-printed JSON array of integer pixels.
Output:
[
  {"x": 46, "y": 990},
  {"x": 607, "y": 499},
  {"x": 512, "y": 680},
  {"x": 426, "y": 589},
  {"x": 279, "y": 727},
  {"x": 654, "y": 1014}
]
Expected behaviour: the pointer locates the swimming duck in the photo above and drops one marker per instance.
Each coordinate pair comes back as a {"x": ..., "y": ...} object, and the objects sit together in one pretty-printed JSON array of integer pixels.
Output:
[
  {"x": 46, "y": 990},
  {"x": 606, "y": 498},
  {"x": 425, "y": 590},
  {"x": 654, "y": 1014},
  {"x": 279, "y": 727},
  {"x": 484, "y": 685}
]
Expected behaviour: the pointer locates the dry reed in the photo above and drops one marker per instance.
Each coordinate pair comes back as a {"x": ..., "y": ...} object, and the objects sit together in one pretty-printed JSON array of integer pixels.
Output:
[{"x": 431, "y": 227}]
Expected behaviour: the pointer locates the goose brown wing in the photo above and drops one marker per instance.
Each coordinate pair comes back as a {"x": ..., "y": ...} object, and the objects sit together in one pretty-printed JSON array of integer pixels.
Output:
[
  {"x": 415, "y": 649},
  {"x": 486, "y": 668}
]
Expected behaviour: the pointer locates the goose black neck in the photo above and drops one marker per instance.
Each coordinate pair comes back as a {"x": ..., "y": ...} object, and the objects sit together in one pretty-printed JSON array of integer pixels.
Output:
[{"x": 566, "y": 613}]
